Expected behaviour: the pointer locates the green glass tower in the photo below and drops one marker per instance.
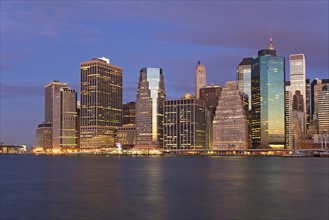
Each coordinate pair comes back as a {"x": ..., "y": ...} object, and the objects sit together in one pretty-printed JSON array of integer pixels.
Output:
[{"x": 268, "y": 99}]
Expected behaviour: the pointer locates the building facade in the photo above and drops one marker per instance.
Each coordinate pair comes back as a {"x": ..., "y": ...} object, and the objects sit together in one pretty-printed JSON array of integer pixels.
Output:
[
  {"x": 101, "y": 103},
  {"x": 126, "y": 136},
  {"x": 129, "y": 113},
  {"x": 149, "y": 108},
  {"x": 323, "y": 106},
  {"x": 44, "y": 137},
  {"x": 184, "y": 124},
  {"x": 316, "y": 88},
  {"x": 243, "y": 72},
  {"x": 50, "y": 90},
  {"x": 268, "y": 99},
  {"x": 288, "y": 116},
  {"x": 230, "y": 125},
  {"x": 200, "y": 78},
  {"x": 64, "y": 120}
]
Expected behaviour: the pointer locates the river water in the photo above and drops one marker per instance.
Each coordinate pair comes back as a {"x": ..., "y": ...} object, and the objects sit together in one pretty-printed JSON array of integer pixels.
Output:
[{"x": 182, "y": 187}]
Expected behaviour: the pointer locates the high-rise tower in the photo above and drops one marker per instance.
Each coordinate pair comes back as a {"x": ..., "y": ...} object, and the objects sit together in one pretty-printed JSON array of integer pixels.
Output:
[
  {"x": 149, "y": 108},
  {"x": 65, "y": 120},
  {"x": 101, "y": 103},
  {"x": 243, "y": 72},
  {"x": 200, "y": 78},
  {"x": 298, "y": 76},
  {"x": 268, "y": 99}
]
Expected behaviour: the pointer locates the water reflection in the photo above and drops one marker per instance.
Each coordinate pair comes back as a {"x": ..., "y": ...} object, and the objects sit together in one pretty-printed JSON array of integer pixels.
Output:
[{"x": 163, "y": 188}]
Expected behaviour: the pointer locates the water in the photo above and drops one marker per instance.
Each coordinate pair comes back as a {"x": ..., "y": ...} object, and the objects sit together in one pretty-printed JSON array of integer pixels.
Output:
[{"x": 95, "y": 187}]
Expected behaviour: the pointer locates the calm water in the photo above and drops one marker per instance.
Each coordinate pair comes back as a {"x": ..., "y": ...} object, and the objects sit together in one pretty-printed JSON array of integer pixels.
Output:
[{"x": 91, "y": 187}]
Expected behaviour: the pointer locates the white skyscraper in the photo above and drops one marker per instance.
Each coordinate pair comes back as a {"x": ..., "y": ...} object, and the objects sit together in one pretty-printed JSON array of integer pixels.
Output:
[
  {"x": 298, "y": 75},
  {"x": 200, "y": 78}
]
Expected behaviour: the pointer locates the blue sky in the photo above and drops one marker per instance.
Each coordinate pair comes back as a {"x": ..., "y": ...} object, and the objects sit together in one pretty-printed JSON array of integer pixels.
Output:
[{"x": 42, "y": 41}]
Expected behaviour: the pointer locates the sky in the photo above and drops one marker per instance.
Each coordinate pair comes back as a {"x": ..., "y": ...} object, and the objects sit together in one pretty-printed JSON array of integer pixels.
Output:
[{"x": 42, "y": 41}]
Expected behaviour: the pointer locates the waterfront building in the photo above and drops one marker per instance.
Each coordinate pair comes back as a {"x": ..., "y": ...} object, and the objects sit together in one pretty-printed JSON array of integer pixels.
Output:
[
  {"x": 316, "y": 87},
  {"x": 126, "y": 136},
  {"x": 149, "y": 108},
  {"x": 288, "y": 116},
  {"x": 50, "y": 90},
  {"x": 101, "y": 103},
  {"x": 298, "y": 76},
  {"x": 64, "y": 120},
  {"x": 323, "y": 110},
  {"x": 230, "y": 125},
  {"x": 268, "y": 99},
  {"x": 243, "y": 75},
  {"x": 184, "y": 124},
  {"x": 44, "y": 137},
  {"x": 128, "y": 113},
  {"x": 200, "y": 78},
  {"x": 210, "y": 95}
]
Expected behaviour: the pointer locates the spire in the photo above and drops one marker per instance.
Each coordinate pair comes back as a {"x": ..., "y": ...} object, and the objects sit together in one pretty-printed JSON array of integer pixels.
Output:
[{"x": 271, "y": 45}]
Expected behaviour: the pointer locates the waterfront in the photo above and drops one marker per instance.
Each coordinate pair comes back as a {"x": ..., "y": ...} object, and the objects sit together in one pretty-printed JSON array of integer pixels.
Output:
[{"x": 178, "y": 187}]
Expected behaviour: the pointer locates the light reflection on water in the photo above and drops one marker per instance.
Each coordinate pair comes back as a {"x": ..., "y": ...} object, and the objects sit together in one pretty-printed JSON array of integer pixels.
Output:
[{"x": 92, "y": 187}]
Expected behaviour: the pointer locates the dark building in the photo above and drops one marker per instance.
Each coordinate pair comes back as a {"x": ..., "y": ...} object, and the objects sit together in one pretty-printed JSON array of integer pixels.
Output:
[
  {"x": 298, "y": 101},
  {"x": 128, "y": 113}
]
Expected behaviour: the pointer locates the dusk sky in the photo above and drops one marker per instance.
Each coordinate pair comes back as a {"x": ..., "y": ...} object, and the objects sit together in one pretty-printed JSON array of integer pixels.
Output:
[{"x": 42, "y": 41}]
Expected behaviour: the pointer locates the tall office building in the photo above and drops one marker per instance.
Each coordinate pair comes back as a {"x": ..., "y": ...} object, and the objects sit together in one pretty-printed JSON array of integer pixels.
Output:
[
  {"x": 323, "y": 106},
  {"x": 210, "y": 94},
  {"x": 44, "y": 137},
  {"x": 243, "y": 72},
  {"x": 128, "y": 113},
  {"x": 230, "y": 126},
  {"x": 298, "y": 76},
  {"x": 101, "y": 103},
  {"x": 268, "y": 99},
  {"x": 200, "y": 78},
  {"x": 64, "y": 120},
  {"x": 149, "y": 108},
  {"x": 298, "y": 101},
  {"x": 184, "y": 124},
  {"x": 50, "y": 90},
  {"x": 288, "y": 116},
  {"x": 316, "y": 87}
]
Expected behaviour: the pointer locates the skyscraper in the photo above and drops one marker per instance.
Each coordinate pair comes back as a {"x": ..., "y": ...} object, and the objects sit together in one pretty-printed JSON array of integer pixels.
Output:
[
  {"x": 44, "y": 137},
  {"x": 268, "y": 99},
  {"x": 298, "y": 76},
  {"x": 288, "y": 116},
  {"x": 200, "y": 78},
  {"x": 243, "y": 72},
  {"x": 101, "y": 103},
  {"x": 323, "y": 106},
  {"x": 64, "y": 120},
  {"x": 316, "y": 87},
  {"x": 149, "y": 108},
  {"x": 184, "y": 125},
  {"x": 210, "y": 94},
  {"x": 50, "y": 90},
  {"x": 230, "y": 125}
]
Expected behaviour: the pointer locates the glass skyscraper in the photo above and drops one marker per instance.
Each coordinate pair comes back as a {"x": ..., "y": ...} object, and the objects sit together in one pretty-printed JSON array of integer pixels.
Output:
[
  {"x": 243, "y": 72},
  {"x": 149, "y": 108},
  {"x": 268, "y": 99}
]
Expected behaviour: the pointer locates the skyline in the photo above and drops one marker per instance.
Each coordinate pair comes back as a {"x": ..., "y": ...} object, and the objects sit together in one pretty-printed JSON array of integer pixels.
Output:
[{"x": 46, "y": 41}]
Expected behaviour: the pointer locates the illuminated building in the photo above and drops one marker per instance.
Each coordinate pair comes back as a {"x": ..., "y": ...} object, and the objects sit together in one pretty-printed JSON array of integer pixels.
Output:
[
  {"x": 200, "y": 78},
  {"x": 128, "y": 113},
  {"x": 44, "y": 136},
  {"x": 50, "y": 90},
  {"x": 149, "y": 108},
  {"x": 210, "y": 95},
  {"x": 323, "y": 106},
  {"x": 184, "y": 124},
  {"x": 101, "y": 103},
  {"x": 289, "y": 130},
  {"x": 316, "y": 88},
  {"x": 64, "y": 120},
  {"x": 243, "y": 72},
  {"x": 230, "y": 125},
  {"x": 126, "y": 135},
  {"x": 298, "y": 76},
  {"x": 268, "y": 99}
]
